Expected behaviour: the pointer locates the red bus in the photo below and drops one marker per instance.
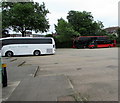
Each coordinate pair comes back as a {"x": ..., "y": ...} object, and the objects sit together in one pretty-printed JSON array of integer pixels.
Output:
[{"x": 93, "y": 42}]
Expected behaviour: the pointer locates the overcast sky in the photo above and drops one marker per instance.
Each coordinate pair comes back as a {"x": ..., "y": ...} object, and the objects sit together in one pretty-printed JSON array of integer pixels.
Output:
[
  {"x": 102, "y": 10},
  {"x": 105, "y": 11}
]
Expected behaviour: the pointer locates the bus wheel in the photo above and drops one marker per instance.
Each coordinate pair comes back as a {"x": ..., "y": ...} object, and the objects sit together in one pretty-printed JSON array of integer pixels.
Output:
[
  {"x": 37, "y": 52},
  {"x": 109, "y": 46},
  {"x": 91, "y": 47},
  {"x": 9, "y": 54},
  {"x": 84, "y": 47}
]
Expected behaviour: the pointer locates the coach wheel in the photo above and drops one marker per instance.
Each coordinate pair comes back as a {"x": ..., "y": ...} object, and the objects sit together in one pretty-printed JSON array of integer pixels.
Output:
[
  {"x": 37, "y": 52},
  {"x": 9, "y": 54}
]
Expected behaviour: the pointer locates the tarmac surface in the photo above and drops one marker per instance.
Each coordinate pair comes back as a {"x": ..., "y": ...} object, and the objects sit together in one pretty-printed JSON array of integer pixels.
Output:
[{"x": 69, "y": 75}]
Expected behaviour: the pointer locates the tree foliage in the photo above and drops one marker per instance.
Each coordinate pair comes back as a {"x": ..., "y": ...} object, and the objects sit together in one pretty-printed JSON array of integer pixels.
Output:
[
  {"x": 118, "y": 33},
  {"x": 84, "y": 23},
  {"x": 64, "y": 30},
  {"x": 23, "y": 16},
  {"x": 79, "y": 23},
  {"x": 5, "y": 33}
]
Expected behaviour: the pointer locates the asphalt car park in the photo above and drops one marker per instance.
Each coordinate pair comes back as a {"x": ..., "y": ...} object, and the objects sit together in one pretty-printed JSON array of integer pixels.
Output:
[{"x": 89, "y": 74}]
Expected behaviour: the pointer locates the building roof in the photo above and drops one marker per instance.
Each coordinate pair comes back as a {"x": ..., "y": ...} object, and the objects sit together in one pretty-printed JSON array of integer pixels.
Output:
[{"x": 112, "y": 29}]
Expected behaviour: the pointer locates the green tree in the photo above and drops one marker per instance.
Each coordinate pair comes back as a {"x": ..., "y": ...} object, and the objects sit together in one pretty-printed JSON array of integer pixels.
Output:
[
  {"x": 65, "y": 31},
  {"x": 23, "y": 16},
  {"x": 5, "y": 33},
  {"x": 49, "y": 35},
  {"x": 84, "y": 23},
  {"x": 97, "y": 28},
  {"x": 65, "y": 34},
  {"x": 0, "y": 24},
  {"x": 118, "y": 33}
]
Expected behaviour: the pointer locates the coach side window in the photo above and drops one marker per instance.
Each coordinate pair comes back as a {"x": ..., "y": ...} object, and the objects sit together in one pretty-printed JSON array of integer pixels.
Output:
[{"x": 46, "y": 41}]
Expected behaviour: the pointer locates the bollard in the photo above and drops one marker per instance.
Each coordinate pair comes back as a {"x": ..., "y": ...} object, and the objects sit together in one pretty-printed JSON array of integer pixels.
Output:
[{"x": 4, "y": 75}]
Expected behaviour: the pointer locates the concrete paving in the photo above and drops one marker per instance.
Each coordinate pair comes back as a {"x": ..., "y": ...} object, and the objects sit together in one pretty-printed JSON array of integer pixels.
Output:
[
  {"x": 0, "y": 92},
  {"x": 7, "y": 91},
  {"x": 47, "y": 88},
  {"x": 23, "y": 86},
  {"x": 15, "y": 74},
  {"x": 86, "y": 74},
  {"x": 92, "y": 72}
]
